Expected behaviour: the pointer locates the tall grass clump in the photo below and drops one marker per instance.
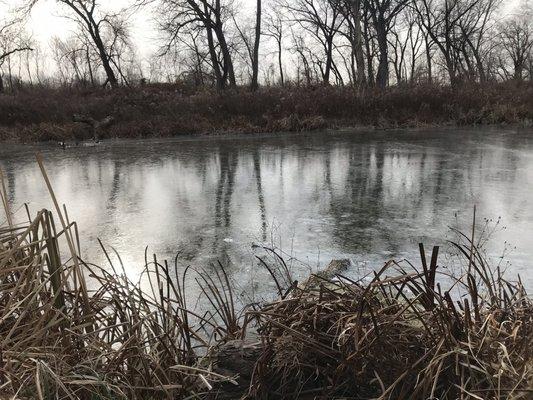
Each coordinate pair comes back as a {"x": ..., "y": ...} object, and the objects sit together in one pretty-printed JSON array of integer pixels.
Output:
[
  {"x": 73, "y": 330},
  {"x": 400, "y": 336},
  {"x": 70, "y": 329}
]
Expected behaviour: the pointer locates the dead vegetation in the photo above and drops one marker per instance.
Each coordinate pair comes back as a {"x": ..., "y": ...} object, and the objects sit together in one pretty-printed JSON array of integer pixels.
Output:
[
  {"x": 44, "y": 114},
  {"x": 73, "y": 330},
  {"x": 399, "y": 336}
]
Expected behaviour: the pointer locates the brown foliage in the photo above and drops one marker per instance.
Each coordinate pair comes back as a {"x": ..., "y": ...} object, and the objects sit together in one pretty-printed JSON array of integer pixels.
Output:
[{"x": 35, "y": 114}]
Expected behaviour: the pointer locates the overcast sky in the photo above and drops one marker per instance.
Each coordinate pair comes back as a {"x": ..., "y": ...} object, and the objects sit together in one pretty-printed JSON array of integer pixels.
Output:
[{"x": 46, "y": 21}]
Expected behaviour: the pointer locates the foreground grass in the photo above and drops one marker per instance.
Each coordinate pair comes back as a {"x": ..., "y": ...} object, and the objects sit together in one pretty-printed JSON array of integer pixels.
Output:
[
  {"x": 399, "y": 335},
  {"x": 42, "y": 114}
]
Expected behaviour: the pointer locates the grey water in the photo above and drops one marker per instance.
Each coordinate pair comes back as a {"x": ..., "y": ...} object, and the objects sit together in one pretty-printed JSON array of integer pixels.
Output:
[{"x": 367, "y": 196}]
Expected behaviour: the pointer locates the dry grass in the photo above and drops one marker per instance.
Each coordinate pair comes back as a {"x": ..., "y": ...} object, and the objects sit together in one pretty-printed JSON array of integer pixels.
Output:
[
  {"x": 400, "y": 336},
  {"x": 42, "y": 114},
  {"x": 73, "y": 330},
  {"x": 61, "y": 340}
]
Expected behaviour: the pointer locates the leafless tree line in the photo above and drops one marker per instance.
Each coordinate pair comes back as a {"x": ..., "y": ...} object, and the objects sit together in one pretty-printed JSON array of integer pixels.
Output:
[
  {"x": 343, "y": 42},
  {"x": 12, "y": 42}
]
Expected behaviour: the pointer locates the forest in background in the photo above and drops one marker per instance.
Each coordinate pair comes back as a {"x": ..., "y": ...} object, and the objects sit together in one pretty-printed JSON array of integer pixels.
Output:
[{"x": 310, "y": 64}]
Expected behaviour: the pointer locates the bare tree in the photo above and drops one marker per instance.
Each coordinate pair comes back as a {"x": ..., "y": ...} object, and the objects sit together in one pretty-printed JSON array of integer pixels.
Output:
[
  {"x": 351, "y": 10},
  {"x": 399, "y": 43},
  {"x": 369, "y": 45},
  {"x": 75, "y": 59},
  {"x": 406, "y": 41},
  {"x": 12, "y": 41},
  {"x": 251, "y": 43},
  {"x": 304, "y": 55},
  {"x": 515, "y": 37},
  {"x": 67, "y": 55},
  {"x": 416, "y": 40},
  {"x": 474, "y": 28},
  {"x": 107, "y": 31},
  {"x": 321, "y": 19},
  {"x": 197, "y": 59},
  {"x": 383, "y": 13},
  {"x": 208, "y": 16},
  {"x": 274, "y": 29},
  {"x": 450, "y": 24},
  {"x": 255, "y": 58}
]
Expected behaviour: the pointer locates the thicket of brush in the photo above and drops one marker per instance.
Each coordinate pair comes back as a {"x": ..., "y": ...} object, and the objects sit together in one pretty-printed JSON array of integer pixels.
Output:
[
  {"x": 400, "y": 336},
  {"x": 41, "y": 114},
  {"x": 73, "y": 330}
]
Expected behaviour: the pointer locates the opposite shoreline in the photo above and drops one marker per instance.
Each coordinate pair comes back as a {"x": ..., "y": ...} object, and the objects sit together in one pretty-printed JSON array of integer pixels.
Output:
[{"x": 37, "y": 114}]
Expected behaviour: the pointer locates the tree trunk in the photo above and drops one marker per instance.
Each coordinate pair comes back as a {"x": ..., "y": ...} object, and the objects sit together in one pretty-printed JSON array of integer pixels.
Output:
[
  {"x": 10, "y": 76},
  {"x": 89, "y": 65},
  {"x": 451, "y": 69},
  {"x": 352, "y": 72},
  {"x": 479, "y": 64},
  {"x": 329, "y": 60},
  {"x": 382, "y": 77},
  {"x": 413, "y": 67},
  {"x": 229, "y": 72},
  {"x": 369, "y": 56},
  {"x": 111, "y": 78},
  {"x": 255, "y": 61},
  {"x": 1, "y": 84},
  {"x": 214, "y": 58},
  {"x": 110, "y": 74},
  {"x": 307, "y": 70},
  {"x": 199, "y": 79},
  {"x": 518, "y": 71},
  {"x": 281, "y": 77},
  {"x": 358, "y": 43},
  {"x": 428, "y": 60}
]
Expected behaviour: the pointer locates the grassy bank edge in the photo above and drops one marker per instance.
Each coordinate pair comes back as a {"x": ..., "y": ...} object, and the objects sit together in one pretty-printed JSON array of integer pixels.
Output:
[{"x": 44, "y": 114}]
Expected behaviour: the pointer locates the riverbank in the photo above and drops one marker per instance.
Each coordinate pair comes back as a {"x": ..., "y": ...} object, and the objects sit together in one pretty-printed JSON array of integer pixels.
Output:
[
  {"x": 72, "y": 329},
  {"x": 44, "y": 114}
]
